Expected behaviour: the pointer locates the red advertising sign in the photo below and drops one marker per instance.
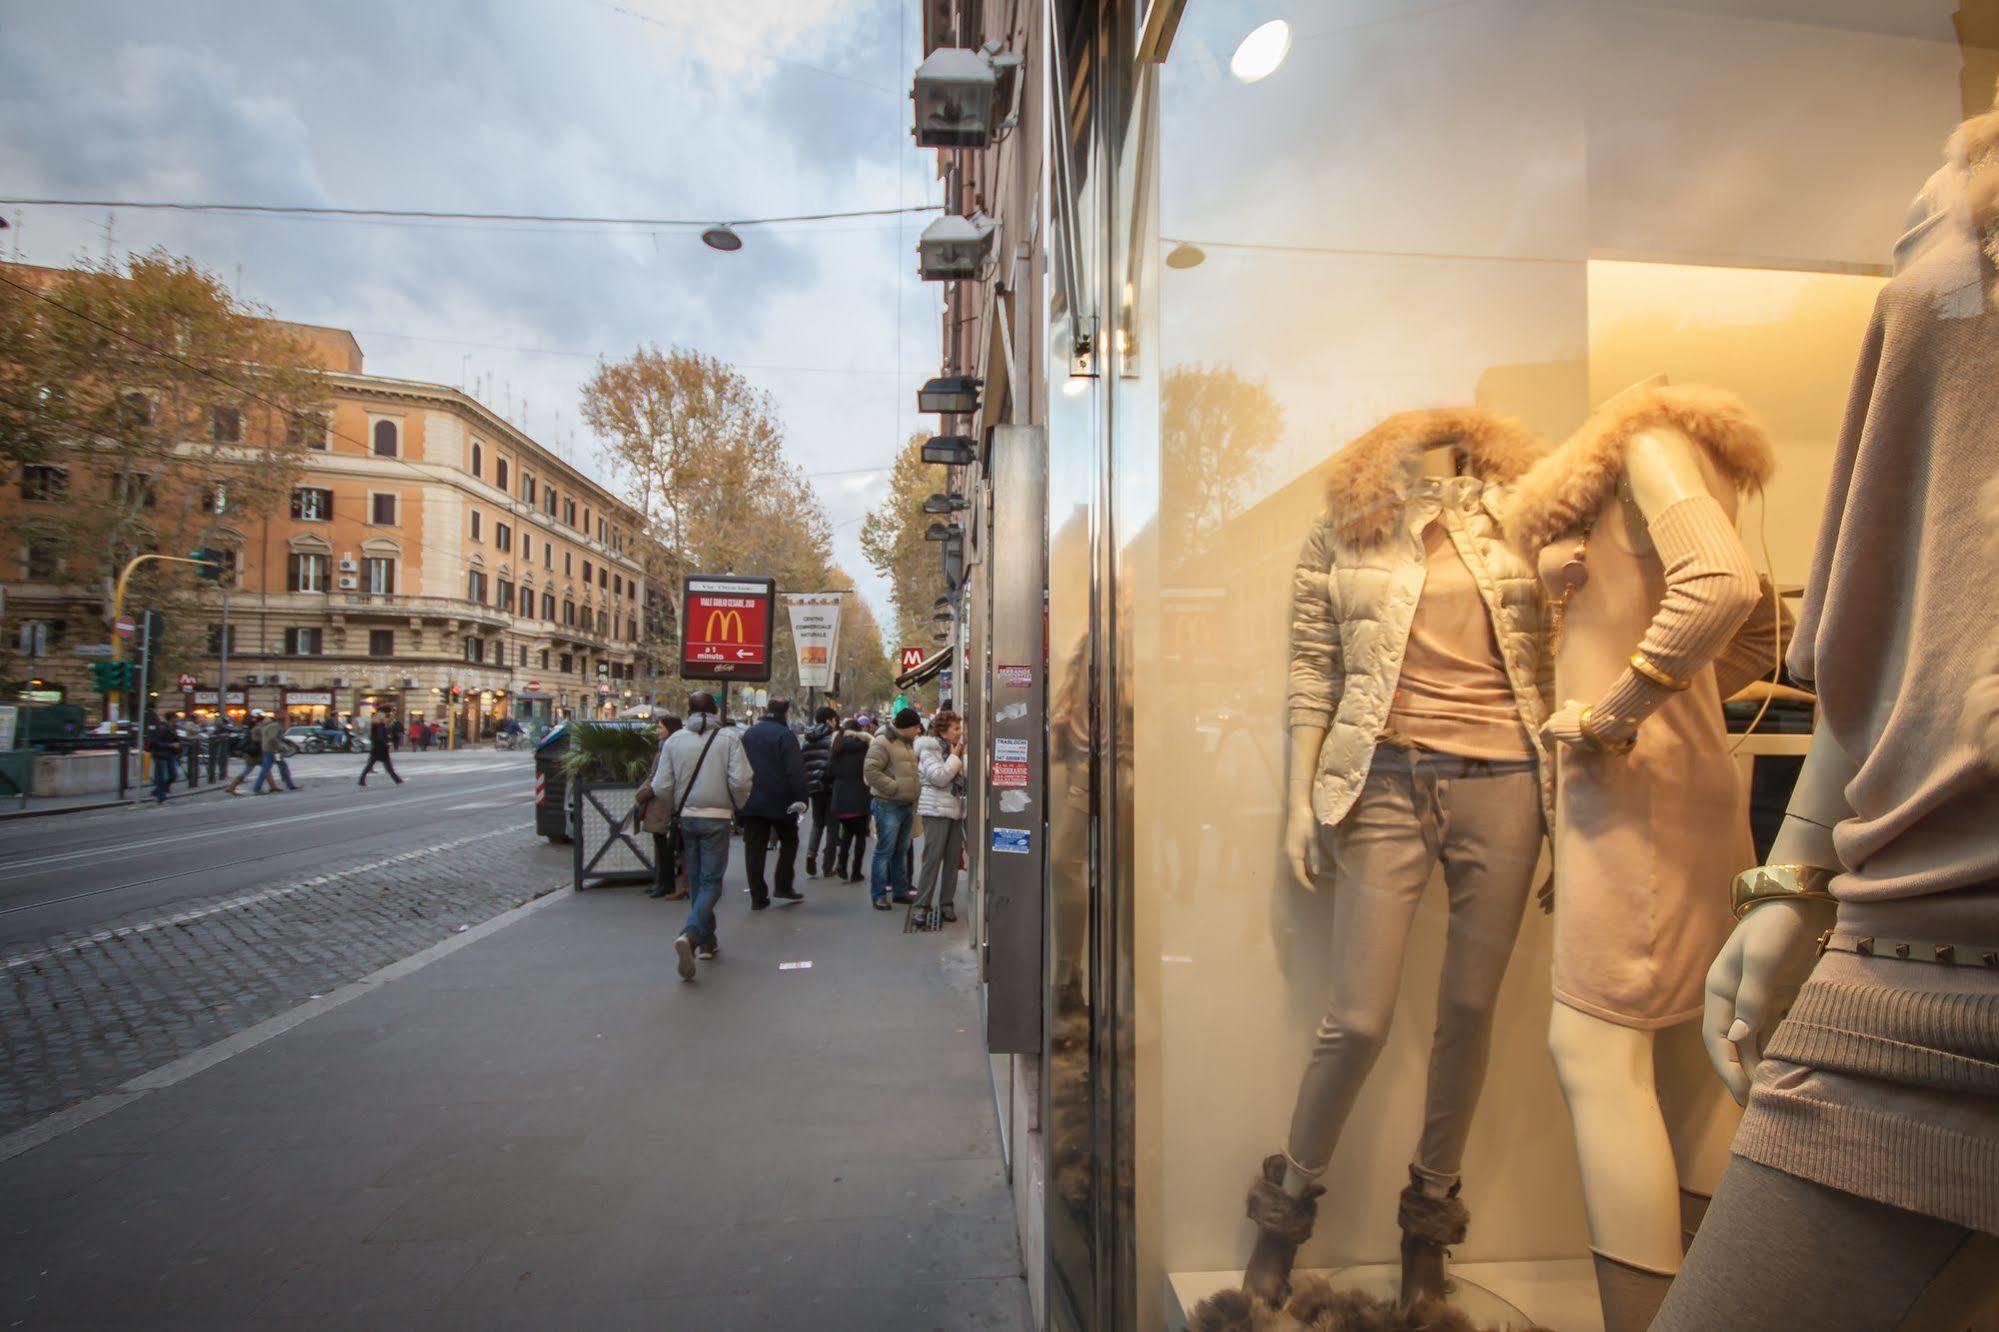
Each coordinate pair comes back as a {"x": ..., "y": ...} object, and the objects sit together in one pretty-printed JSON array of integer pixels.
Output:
[{"x": 725, "y": 627}]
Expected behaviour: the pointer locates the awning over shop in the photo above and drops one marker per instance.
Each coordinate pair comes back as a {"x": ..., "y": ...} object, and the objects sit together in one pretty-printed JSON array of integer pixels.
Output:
[{"x": 927, "y": 671}]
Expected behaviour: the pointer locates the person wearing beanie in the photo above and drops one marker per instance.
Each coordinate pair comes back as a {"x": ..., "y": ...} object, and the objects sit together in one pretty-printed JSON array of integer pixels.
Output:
[{"x": 893, "y": 781}]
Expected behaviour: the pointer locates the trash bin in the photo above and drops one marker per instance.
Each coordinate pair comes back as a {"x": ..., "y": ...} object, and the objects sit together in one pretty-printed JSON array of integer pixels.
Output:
[{"x": 551, "y": 785}]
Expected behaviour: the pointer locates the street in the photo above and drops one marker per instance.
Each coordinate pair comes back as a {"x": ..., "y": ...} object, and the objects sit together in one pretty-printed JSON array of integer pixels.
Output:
[{"x": 130, "y": 937}]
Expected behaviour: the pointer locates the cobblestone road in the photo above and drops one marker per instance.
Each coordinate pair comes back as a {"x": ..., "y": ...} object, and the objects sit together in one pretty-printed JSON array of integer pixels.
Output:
[{"x": 82, "y": 1014}]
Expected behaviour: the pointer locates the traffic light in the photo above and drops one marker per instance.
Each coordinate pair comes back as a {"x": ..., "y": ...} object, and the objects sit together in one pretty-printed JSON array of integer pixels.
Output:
[
  {"x": 111, "y": 677},
  {"x": 212, "y": 562}
]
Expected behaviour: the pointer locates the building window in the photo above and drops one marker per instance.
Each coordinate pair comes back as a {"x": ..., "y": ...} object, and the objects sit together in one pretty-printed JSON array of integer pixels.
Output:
[
  {"x": 499, "y": 657},
  {"x": 524, "y": 654},
  {"x": 568, "y": 563},
  {"x": 382, "y": 510},
  {"x": 568, "y": 663},
  {"x": 475, "y": 524},
  {"x": 506, "y": 597},
  {"x": 548, "y": 609},
  {"x": 544, "y": 658},
  {"x": 474, "y": 650},
  {"x": 569, "y": 512},
  {"x": 475, "y": 586},
  {"x": 547, "y": 556},
  {"x": 215, "y": 499},
  {"x": 527, "y": 547},
  {"x": 603, "y": 621},
  {"x": 527, "y": 488},
  {"x": 381, "y": 642},
  {"x": 44, "y": 484},
  {"x": 41, "y": 560},
  {"x": 225, "y": 424},
  {"x": 586, "y": 571},
  {"x": 312, "y": 504},
  {"x": 303, "y": 642},
  {"x": 478, "y": 458},
  {"x": 380, "y": 574},
  {"x": 135, "y": 411},
  {"x": 308, "y": 430},
  {"x": 305, "y": 571},
  {"x": 500, "y": 474},
  {"x": 603, "y": 578},
  {"x": 503, "y": 536},
  {"x": 568, "y": 611},
  {"x": 217, "y": 639},
  {"x": 617, "y": 585},
  {"x": 134, "y": 490},
  {"x": 548, "y": 501},
  {"x": 386, "y": 443},
  {"x": 632, "y": 628}
]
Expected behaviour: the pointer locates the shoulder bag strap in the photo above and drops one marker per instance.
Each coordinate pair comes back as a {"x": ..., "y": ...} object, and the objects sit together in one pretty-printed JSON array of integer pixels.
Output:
[{"x": 697, "y": 772}]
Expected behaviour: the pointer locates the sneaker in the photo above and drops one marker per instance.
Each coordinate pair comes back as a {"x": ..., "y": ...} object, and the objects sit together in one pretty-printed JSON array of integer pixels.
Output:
[
  {"x": 683, "y": 951},
  {"x": 708, "y": 952}
]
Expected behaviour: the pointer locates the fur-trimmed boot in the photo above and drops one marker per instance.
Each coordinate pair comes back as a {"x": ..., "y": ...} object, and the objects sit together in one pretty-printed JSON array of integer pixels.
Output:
[
  {"x": 1429, "y": 1227},
  {"x": 1283, "y": 1222}
]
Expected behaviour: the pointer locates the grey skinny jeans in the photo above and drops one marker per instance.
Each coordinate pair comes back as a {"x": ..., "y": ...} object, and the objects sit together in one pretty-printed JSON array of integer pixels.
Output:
[
  {"x": 1482, "y": 819},
  {"x": 943, "y": 843}
]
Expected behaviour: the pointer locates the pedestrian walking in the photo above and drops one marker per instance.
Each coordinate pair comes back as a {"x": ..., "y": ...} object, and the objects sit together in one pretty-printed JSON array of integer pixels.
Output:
[
  {"x": 817, "y": 750},
  {"x": 250, "y": 748},
  {"x": 703, "y": 770},
  {"x": 669, "y": 866},
  {"x": 163, "y": 744},
  {"x": 396, "y": 734},
  {"x": 846, "y": 778},
  {"x": 778, "y": 794},
  {"x": 892, "y": 780},
  {"x": 271, "y": 747},
  {"x": 940, "y": 763},
  {"x": 378, "y": 747}
]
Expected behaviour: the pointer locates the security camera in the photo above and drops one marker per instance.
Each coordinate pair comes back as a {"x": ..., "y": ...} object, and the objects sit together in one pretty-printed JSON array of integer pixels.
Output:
[
  {"x": 951, "y": 450},
  {"x": 951, "y": 395},
  {"x": 946, "y": 503},
  {"x": 954, "y": 247},
  {"x": 962, "y": 96}
]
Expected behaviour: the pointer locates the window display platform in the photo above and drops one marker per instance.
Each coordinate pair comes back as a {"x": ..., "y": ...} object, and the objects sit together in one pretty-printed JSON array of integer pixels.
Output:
[{"x": 1558, "y": 1293}]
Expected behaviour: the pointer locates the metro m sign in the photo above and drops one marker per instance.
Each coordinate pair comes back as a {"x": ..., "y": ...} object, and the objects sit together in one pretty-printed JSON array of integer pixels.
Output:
[{"x": 725, "y": 627}]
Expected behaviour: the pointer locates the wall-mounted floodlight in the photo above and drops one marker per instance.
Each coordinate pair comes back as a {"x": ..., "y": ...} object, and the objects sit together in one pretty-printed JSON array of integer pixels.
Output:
[
  {"x": 942, "y": 617},
  {"x": 943, "y": 503},
  {"x": 943, "y": 532},
  {"x": 962, "y": 96},
  {"x": 951, "y": 248},
  {"x": 722, "y": 237},
  {"x": 951, "y": 395},
  {"x": 951, "y": 450},
  {"x": 942, "y": 602}
]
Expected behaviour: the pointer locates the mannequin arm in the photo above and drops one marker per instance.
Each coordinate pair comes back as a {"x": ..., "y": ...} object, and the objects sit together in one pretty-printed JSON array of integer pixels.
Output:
[
  {"x": 1301, "y": 825},
  {"x": 1772, "y": 949},
  {"x": 1711, "y": 586}
]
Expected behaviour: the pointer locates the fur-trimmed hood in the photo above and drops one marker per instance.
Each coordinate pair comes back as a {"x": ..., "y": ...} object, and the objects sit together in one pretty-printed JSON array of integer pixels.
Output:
[
  {"x": 1974, "y": 149},
  {"x": 1566, "y": 488},
  {"x": 1369, "y": 482}
]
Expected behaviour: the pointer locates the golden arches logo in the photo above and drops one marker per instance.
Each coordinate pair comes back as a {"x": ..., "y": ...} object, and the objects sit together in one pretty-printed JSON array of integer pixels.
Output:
[{"x": 728, "y": 620}]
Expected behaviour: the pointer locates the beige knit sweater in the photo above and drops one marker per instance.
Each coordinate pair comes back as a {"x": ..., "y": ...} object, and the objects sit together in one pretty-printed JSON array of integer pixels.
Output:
[{"x": 1884, "y": 1081}]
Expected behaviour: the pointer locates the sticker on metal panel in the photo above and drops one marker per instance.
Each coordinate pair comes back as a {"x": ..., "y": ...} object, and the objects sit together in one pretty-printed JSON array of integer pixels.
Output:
[
  {"x": 1013, "y": 841},
  {"x": 1014, "y": 677},
  {"x": 1008, "y": 774},
  {"x": 1009, "y": 751}
]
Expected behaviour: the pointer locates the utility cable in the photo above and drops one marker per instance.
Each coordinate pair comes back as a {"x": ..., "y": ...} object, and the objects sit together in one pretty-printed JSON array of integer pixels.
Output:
[{"x": 558, "y": 219}]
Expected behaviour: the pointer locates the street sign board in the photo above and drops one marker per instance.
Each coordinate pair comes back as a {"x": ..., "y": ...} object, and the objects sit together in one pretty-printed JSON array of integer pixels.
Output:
[
  {"x": 123, "y": 626},
  {"x": 725, "y": 627},
  {"x": 912, "y": 657},
  {"x": 534, "y": 686},
  {"x": 92, "y": 649},
  {"x": 187, "y": 681}
]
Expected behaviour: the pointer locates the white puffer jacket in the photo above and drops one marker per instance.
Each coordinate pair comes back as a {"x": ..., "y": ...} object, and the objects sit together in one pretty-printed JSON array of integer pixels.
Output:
[
  {"x": 1361, "y": 572},
  {"x": 939, "y": 769}
]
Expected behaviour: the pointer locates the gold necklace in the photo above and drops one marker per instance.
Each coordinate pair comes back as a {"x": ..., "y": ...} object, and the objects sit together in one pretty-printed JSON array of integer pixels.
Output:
[{"x": 1575, "y": 574}]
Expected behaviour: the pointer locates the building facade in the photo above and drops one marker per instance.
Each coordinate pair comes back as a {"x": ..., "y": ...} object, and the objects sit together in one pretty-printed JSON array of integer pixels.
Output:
[{"x": 430, "y": 556}]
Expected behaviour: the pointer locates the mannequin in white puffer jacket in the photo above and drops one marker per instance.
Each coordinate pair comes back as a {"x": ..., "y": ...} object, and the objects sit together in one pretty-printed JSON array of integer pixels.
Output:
[{"x": 940, "y": 802}]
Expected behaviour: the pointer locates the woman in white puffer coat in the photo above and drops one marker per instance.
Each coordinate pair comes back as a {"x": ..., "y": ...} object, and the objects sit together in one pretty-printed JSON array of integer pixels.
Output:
[{"x": 940, "y": 801}]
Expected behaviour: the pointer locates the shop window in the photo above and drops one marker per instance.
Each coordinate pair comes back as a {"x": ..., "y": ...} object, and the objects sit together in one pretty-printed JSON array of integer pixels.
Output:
[
  {"x": 388, "y": 440},
  {"x": 305, "y": 571},
  {"x": 382, "y": 510},
  {"x": 303, "y": 642},
  {"x": 225, "y": 425},
  {"x": 379, "y": 575},
  {"x": 312, "y": 503},
  {"x": 43, "y": 483},
  {"x": 381, "y": 642}
]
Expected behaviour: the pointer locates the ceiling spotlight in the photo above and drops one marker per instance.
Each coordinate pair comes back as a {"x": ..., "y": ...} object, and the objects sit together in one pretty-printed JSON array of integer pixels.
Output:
[
  {"x": 1185, "y": 255},
  {"x": 1261, "y": 52},
  {"x": 722, "y": 237}
]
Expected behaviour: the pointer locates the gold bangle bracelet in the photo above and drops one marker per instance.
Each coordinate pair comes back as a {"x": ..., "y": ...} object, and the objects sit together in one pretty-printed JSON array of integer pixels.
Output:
[
  {"x": 1665, "y": 680},
  {"x": 1586, "y": 719},
  {"x": 1779, "y": 883}
]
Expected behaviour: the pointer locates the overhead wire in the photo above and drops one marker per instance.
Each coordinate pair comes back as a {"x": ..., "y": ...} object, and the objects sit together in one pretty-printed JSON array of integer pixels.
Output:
[{"x": 449, "y": 215}]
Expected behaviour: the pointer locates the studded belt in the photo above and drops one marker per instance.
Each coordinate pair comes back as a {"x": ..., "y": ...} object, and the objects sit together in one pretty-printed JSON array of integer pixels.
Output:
[{"x": 1909, "y": 950}]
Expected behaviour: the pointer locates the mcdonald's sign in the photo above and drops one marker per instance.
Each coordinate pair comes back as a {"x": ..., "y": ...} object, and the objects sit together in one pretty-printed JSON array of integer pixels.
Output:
[{"x": 726, "y": 627}]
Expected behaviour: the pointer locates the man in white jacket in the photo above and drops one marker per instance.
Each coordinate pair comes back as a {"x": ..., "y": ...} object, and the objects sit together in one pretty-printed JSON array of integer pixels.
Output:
[{"x": 703, "y": 771}]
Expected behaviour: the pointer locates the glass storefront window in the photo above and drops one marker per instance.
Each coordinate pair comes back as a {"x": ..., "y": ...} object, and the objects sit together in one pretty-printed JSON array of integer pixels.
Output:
[{"x": 1532, "y": 215}]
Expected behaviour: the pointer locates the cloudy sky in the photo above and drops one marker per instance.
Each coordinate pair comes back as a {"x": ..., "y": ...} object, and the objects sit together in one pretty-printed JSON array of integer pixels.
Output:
[{"x": 651, "y": 108}]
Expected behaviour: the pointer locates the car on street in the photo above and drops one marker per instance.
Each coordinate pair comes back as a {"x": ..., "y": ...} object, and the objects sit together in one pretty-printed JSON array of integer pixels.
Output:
[{"x": 321, "y": 739}]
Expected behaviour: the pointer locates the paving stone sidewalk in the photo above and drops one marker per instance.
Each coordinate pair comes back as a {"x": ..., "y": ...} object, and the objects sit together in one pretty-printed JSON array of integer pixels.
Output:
[
  {"x": 545, "y": 1128},
  {"x": 82, "y": 1014}
]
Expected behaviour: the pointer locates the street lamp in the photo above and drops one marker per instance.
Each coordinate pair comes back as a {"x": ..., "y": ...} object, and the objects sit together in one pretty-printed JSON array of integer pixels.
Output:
[{"x": 722, "y": 237}]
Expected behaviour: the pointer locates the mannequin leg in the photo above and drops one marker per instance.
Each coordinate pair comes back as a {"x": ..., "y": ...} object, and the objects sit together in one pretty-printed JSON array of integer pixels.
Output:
[
  {"x": 1631, "y": 1187},
  {"x": 1772, "y": 1250}
]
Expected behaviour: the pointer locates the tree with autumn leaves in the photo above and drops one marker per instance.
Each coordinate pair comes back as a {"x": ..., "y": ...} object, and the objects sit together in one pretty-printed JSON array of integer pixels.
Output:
[
  {"x": 892, "y": 539},
  {"x": 699, "y": 452}
]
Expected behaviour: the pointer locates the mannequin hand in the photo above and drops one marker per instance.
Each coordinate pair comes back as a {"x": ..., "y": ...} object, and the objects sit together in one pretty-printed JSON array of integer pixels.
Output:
[
  {"x": 1544, "y": 896},
  {"x": 1566, "y": 727},
  {"x": 1753, "y": 981},
  {"x": 1301, "y": 847}
]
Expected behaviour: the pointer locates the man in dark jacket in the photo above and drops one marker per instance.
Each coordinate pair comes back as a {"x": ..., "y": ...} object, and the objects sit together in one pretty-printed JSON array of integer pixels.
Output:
[
  {"x": 378, "y": 746},
  {"x": 777, "y": 796},
  {"x": 818, "y": 754},
  {"x": 163, "y": 744}
]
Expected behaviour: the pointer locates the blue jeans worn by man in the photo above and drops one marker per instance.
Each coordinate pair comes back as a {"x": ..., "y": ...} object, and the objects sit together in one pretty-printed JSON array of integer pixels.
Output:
[
  {"x": 163, "y": 776},
  {"x": 893, "y": 825},
  {"x": 706, "y": 843},
  {"x": 272, "y": 758}
]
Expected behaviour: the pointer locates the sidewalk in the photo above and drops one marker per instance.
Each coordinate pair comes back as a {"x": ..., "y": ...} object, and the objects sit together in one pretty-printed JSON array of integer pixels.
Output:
[{"x": 546, "y": 1128}]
